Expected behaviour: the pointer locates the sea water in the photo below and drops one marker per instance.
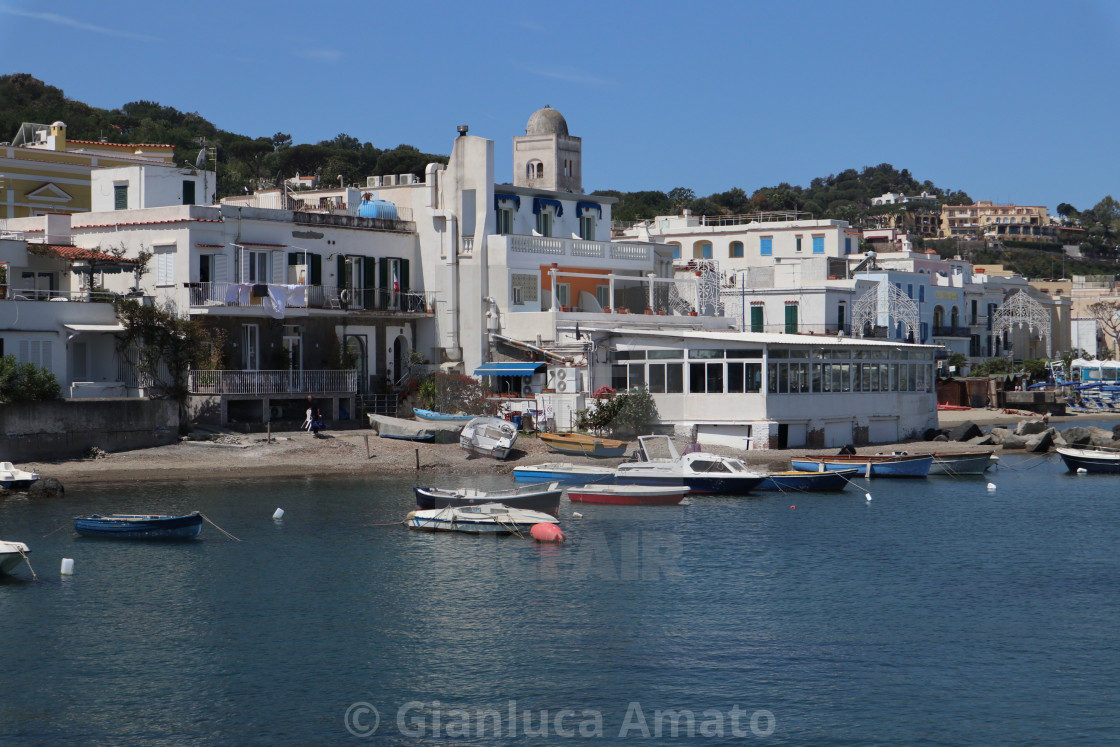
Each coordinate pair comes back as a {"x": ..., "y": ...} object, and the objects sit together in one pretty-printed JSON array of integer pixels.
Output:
[{"x": 938, "y": 613}]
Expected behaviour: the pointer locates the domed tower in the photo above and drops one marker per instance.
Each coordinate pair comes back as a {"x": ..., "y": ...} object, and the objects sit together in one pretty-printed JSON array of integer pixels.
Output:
[{"x": 546, "y": 156}]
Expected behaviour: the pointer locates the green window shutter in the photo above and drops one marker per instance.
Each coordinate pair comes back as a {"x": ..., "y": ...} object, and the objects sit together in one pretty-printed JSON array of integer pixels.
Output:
[
  {"x": 120, "y": 197},
  {"x": 404, "y": 276},
  {"x": 383, "y": 278},
  {"x": 316, "y": 274},
  {"x": 756, "y": 319},
  {"x": 341, "y": 281},
  {"x": 369, "y": 270},
  {"x": 791, "y": 319}
]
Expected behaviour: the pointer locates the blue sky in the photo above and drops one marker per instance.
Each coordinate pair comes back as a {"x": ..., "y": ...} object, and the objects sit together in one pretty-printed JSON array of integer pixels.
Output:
[{"x": 1009, "y": 101}]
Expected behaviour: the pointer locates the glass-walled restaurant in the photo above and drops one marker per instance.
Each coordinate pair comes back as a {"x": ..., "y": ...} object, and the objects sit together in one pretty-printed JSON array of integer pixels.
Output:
[{"x": 777, "y": 370}]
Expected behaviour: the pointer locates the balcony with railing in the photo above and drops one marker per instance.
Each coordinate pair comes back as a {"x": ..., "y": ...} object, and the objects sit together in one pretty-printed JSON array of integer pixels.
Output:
[
  {"x": 952, "y": 332},
  {"x": 269, "y": 296},
  {"x": 294, "y": 383},
  {"x": 9, "y": 293}
]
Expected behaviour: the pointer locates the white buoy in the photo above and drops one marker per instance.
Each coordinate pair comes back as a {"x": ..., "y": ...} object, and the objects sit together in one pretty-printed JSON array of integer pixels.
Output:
[
  {"x": 991, "y": 487},
  {"x": 279, "y": 514},
  {"x": 867, "y": 495},
  {"x": 67, "y": 566},
  {"x": 577, "y": 515},
  {"x": 1082, "y": 471}
]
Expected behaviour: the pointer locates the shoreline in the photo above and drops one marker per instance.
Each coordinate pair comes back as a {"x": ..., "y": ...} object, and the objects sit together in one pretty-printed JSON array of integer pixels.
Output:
[{"x": 343, "y": 453}]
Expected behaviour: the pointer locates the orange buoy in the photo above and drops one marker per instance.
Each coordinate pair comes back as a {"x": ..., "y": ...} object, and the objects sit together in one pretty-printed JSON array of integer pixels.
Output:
[
  {"x": 793, "y": 506},
  {"x": 546, "y": 533}
]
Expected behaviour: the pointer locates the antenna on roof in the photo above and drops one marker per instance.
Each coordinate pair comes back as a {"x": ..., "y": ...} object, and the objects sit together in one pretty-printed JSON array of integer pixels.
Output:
[{"x": 200, "y": 161}]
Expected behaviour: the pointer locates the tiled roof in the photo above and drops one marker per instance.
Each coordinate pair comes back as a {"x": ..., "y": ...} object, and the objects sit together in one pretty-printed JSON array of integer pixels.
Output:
[{"x": 75, "y": 253}]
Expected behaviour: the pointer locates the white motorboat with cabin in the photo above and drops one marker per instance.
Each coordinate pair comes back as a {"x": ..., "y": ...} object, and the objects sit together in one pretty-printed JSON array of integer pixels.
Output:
[{"x": 660, "y": 464}]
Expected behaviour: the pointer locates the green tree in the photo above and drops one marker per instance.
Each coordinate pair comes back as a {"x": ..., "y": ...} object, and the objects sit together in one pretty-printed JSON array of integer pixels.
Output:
[
  {"x": 165, "y": 344},
  {"x": 25, "y": 382},
  {"x": 623, "y": 414}
]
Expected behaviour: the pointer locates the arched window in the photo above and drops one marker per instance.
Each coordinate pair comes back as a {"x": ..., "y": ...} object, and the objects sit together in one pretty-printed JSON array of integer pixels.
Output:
[
  {"x": 955, "y": 317},
  {"x": 540, "y": 170},
  {"x": 735, "y": 250},
  {"x": 938, "y": 317},
  {"x": 676, "y": 249},
  {"x": 702, "y": 250}
]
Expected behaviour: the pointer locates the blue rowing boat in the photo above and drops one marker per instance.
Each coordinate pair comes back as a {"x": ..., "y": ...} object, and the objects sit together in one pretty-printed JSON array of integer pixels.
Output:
[
  {"x": 808, "y": 482},
  {"x": 140, "y": 526},
  {"x": 870, "y": 465},
  {"x": 442, "y": 416}
]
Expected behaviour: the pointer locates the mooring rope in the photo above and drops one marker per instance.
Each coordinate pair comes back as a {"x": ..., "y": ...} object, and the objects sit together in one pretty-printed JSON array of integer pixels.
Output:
[
  {"x": 207, "y": 519},
  {"x": 28, "y": 561},
  {"x": 48, "y": 534}
]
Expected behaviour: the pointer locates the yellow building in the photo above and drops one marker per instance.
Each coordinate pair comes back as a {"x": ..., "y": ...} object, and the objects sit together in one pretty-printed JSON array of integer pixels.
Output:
[
  {"x": 42, "y": 172},
  {"x": 1028, "y": 222}
]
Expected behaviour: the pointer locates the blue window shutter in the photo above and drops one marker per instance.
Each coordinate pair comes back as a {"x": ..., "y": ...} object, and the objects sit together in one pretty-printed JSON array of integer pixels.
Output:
[
  {"x": 818, "y": 245},
  {"x": 767, "y": 246}
]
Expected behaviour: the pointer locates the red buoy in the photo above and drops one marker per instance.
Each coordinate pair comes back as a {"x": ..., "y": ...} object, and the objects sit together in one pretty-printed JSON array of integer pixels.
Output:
[{"x": 546, "y": 533}]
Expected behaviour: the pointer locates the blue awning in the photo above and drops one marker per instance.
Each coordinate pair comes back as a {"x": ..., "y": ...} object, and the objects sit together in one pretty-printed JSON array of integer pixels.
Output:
[
  {"x": 521, "y": 368},
  {"x": 498, "y": 197},
  {"x": 541, "y": 202},
  {"x": 581, "y": 206}
]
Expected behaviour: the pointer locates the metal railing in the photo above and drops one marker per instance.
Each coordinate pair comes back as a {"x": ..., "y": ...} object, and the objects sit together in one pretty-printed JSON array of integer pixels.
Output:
[
  {"x": 317, "y": 297},
  {"x": 952, "y": 332},
  {"x": 272, "y": 382},
  {"x": 38, "y": 294}
]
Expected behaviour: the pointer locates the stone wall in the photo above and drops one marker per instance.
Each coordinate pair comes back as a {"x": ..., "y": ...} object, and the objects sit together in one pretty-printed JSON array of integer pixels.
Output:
[{"x": 66, "y": 428}]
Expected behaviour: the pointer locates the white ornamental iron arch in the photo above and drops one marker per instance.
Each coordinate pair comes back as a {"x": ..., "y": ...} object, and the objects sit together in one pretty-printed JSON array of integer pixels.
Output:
[
  {"x": 704, "y": 293},
  {"x": 885, "y": 305},
  {"x": 1021, "y": 310}
]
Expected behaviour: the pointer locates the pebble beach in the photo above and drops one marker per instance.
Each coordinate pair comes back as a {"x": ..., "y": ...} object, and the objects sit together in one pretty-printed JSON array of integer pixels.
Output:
[{"x": 298, "y": 454}]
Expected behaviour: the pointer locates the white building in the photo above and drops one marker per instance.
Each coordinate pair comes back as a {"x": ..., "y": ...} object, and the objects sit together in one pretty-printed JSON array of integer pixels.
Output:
[
  {"x": 767, "y": 391},
  {"x": 294, "y": 294}
]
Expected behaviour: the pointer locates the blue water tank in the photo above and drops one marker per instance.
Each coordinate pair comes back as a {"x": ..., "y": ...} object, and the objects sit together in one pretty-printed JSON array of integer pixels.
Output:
[{"x": 377, "y": 209}]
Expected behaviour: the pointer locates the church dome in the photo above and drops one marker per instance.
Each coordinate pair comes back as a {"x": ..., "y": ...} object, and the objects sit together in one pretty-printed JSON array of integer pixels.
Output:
[{"x": 547, "y": 121}]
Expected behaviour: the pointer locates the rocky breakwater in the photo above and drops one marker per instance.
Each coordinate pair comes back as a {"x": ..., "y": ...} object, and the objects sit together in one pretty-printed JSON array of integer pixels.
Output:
[{"x": 1038, "y": 436}]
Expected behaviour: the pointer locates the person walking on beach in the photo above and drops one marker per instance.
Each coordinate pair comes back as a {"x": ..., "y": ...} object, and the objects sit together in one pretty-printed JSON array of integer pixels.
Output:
[{"x": 314, "y": 416}]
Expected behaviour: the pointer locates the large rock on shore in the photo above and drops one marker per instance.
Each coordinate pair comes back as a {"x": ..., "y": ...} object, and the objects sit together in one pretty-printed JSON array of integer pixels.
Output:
[
  {"x": 997, "y": 435},
  {"x": 964, "y": 432},
  {"x": 1077, "y": 435},
  {"x": 982, "y": 440},
  {"x": 1030, "y": 427},
  {"x": 1011, "y": 441},
  {"x": 47, "y": 487},
  {"x": 1101, "y": 437},
  {"x": 1040, "y": 442}
]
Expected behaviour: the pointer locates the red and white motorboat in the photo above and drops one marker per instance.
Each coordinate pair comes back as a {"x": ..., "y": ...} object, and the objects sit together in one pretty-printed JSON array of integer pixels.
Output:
[{"x": 629, "y": 495}]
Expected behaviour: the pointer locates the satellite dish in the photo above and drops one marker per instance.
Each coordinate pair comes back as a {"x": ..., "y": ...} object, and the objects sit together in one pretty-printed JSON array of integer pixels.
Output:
[{"x": 200, "y": 161}]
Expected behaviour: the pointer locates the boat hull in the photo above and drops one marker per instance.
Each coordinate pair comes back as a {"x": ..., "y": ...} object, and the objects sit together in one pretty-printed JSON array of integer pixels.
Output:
[
  {"x": 961, "y": 464},
  {"x": 1090, "y": 461},
  {"x": 574, "y": 444},
  {"x": 719, "y": 484},
  {"x": 546, "y": 500},
  {"x": 909, "y": 467},
  {"x": 440, "y": 416},
  {"x": 490, "y": 518},
  {"x": 10, "y": 556},
  {"x": 629, "y": 495},
  {"x": 564, "y": 472},
  {"x": 131, "y": 526},
  {"x": 810, "y": 482}
]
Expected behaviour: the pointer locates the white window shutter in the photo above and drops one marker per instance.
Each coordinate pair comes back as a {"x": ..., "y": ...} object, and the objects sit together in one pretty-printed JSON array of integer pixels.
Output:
[
  {"x": 221, "y": 268},
  {"x": 278, "y": 267}
]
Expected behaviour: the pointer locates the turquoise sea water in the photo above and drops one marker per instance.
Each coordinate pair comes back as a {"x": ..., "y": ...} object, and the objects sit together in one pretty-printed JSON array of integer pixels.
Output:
[{"x": 938, "y": 613}]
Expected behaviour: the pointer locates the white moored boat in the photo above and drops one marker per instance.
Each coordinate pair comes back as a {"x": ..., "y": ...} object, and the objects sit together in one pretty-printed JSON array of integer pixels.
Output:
[
  {"x": 485, "y": 518},
  {"x": 488, "y": 436},
  {"x": 11, "y": 555},
  {"x": 13, "y": 478}
]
